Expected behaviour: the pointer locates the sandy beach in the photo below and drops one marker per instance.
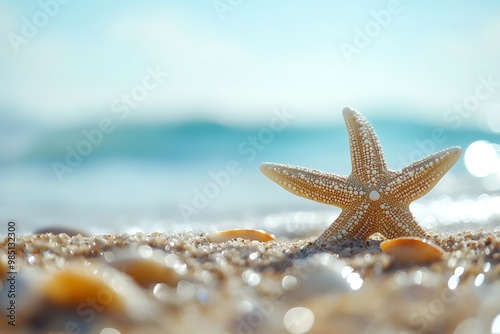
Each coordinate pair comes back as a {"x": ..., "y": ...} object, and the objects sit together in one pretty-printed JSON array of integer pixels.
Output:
[{"x": 182, "y": 283}]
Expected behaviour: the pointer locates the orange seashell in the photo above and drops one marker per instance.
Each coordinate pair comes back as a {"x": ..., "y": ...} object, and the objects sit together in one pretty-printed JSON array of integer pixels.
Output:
[
  {"x": 3, "y": 270},
  {"x": 244, "y": 233},
  {"x": 70, "y": 289},
  {"x": 146, "y": 272},
  {"x": 412, "y": 250}
]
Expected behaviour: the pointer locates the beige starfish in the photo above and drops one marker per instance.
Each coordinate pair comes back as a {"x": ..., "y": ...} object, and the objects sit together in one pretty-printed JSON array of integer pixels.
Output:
[{"x": 373, "y": 198}]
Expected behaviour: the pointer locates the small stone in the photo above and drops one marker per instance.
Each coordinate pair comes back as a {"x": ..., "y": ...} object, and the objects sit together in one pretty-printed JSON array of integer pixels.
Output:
[
  {"x": 59, "y": 229},
  {"x": 346, "y": 252},
  {"x": 318, "y": 275}
]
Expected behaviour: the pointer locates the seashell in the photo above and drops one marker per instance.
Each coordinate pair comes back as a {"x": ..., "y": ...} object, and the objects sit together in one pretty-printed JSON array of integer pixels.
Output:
[
  {"x": 3, "y": 270},
  {"x": 70, "y": 288},
  {"x": 319, "y": 275},
  {"x": 83, "y": 296},
  {"x": 59, "y": 229},
  {"x": 147, "y": 266},
  {"x": 243, "y": 233},
  {"x": 146, "y": 271},
  {"x": 115, "y": 292},
  {"x": 411, "y": 250}
]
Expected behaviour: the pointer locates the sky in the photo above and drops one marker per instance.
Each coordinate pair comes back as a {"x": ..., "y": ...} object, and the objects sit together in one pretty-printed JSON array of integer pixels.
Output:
[
  {"x": 64, "y": 63},
  {"x": 113, "y": 80}
]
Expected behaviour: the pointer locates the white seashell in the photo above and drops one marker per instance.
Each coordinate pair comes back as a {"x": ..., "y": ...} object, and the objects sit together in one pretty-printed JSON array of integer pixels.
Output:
[{"x": 318, "y": 275}]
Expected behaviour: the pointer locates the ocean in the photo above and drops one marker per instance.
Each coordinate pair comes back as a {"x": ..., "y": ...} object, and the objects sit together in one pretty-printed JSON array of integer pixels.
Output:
[{"x": 201, "y": 176}]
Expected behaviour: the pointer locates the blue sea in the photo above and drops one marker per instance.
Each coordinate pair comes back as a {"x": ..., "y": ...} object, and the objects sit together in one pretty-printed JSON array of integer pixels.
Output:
[{"x": 202, "y": 176}]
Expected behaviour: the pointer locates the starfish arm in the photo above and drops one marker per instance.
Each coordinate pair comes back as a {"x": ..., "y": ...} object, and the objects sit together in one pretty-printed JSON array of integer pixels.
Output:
[
  {"x": 420, "y": 177},
  {"x": 398, "y": 221},
  {"x": 354, "y": 223},
  {"x": 311, "y": 184},
  {"x": 368, "y": 163},
  {"x": 373, "y": 198}
]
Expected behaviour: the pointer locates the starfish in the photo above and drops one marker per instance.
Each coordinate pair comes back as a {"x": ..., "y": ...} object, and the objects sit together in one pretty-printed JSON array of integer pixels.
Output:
[{"x": 373, "y": 198}]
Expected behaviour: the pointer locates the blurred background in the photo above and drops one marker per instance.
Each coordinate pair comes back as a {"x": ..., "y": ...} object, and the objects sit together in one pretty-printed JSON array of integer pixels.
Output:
[{"x": 154, "y": 116}]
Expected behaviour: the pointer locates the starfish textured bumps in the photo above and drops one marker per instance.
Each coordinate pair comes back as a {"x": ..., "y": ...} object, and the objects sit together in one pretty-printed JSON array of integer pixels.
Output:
[{"x": 373, "y": 198}]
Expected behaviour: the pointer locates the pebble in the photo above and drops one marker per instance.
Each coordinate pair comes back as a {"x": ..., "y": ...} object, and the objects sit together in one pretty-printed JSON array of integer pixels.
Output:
[
  {"x": 316, "y": 275},
  {"x": 60, "y": 230}
]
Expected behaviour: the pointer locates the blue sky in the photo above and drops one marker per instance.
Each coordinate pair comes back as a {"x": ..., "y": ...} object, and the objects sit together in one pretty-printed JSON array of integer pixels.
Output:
[
  {"x": 236, "y": 66},
  {"x": 67, "y": 68}
]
